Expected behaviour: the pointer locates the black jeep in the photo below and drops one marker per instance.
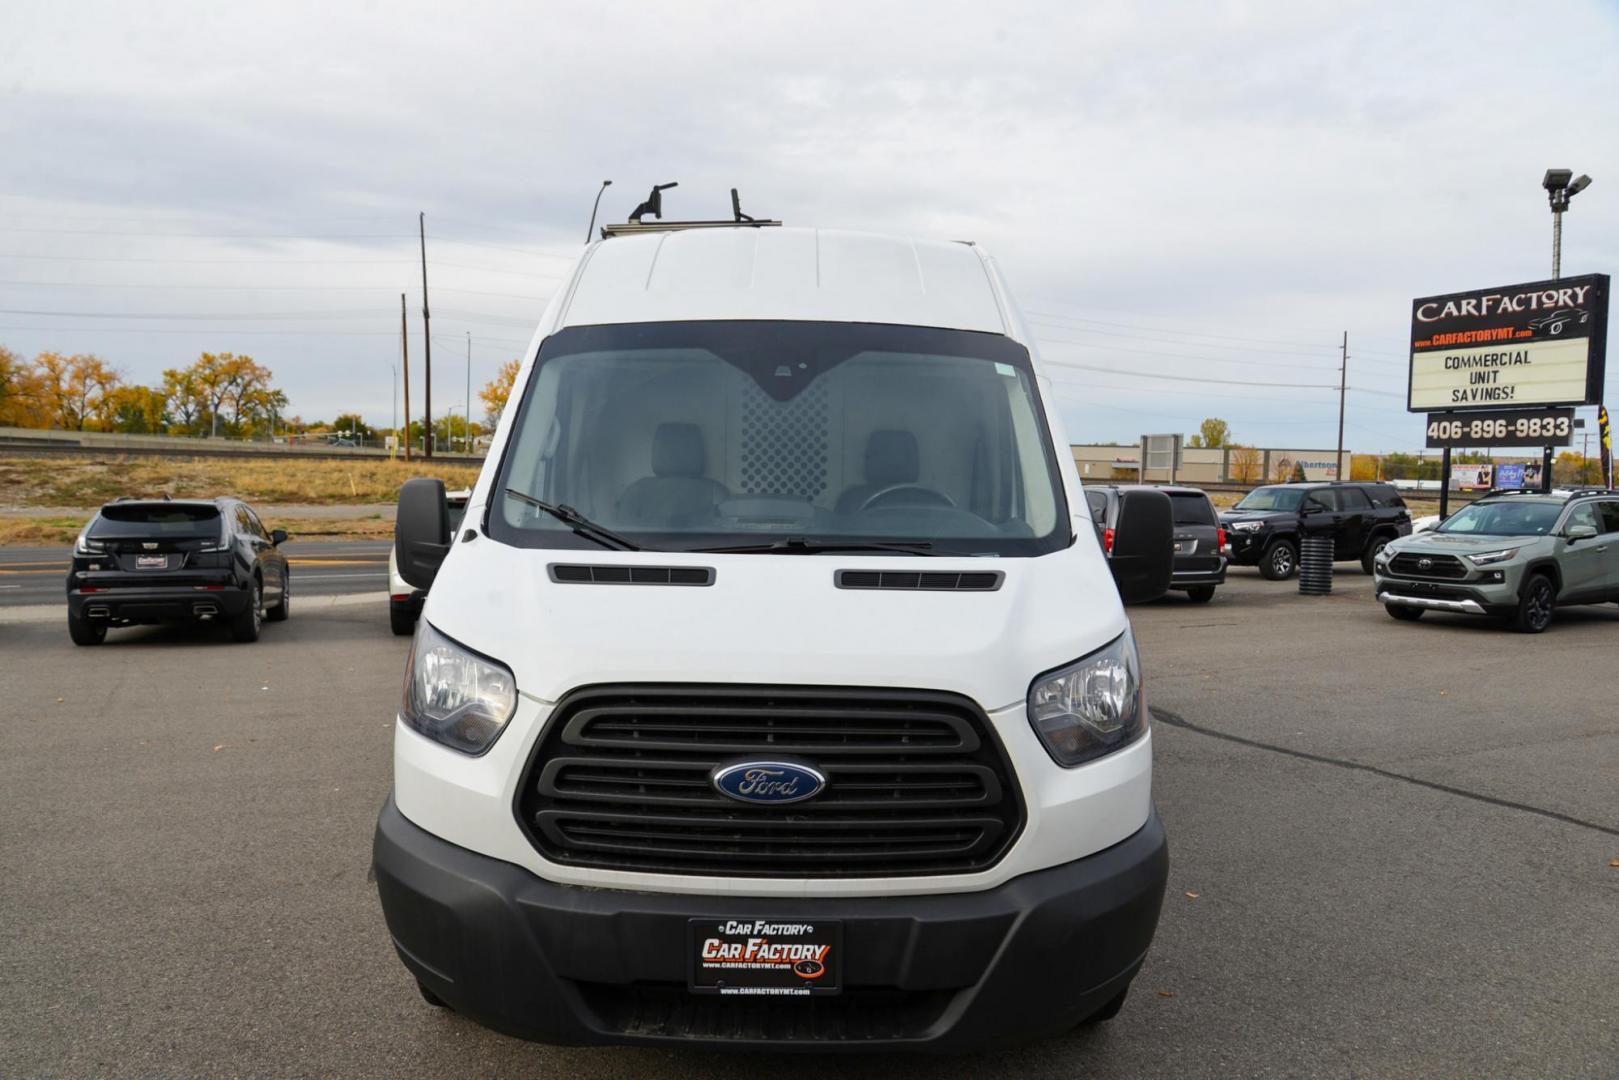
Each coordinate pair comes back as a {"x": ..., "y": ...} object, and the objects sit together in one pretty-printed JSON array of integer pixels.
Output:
[{"x": 1263, "y": 529}]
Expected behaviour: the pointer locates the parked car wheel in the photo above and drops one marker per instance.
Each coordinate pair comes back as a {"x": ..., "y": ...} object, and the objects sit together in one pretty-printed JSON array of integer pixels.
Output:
[
  {"x": 401, "y": 617},
  {"x": 280, "y": 612},
  {"x": 245, "y": 627},
  {"x": 1280, "y": 562},
  {"x": 1374, "y": 549},
  {"x": 86, "y": 631},
  {"x": 1200, "y": 594},
  {"x": 1535, "y": 605},
  {"x": 1403, "y": 613}
]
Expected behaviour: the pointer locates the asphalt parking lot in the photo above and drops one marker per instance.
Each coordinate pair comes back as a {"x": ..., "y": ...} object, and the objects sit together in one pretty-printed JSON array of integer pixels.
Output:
[{"x": 1391, "y": 855}]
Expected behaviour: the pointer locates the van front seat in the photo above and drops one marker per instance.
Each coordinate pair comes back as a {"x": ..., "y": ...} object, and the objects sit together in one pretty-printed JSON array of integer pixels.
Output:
[
  {"x": 677, "y": 493},
  {"x": 891, "y": 458}
]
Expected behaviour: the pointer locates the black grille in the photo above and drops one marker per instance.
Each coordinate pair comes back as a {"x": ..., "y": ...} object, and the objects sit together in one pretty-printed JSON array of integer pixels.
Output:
[
  {"x": 971, "y": 581},
  {"x": 857, "y": 1014},
  {"x": 916, "y": 782},
  {"x": 1440, "y": 566},
  {"x": 577, "y": 574}
]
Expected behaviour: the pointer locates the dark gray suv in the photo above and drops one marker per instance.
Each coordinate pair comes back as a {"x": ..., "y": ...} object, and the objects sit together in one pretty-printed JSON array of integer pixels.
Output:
[{"x": 1199, "y": 540}]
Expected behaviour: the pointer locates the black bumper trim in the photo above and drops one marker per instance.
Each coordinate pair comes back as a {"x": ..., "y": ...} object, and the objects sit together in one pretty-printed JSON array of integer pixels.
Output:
[
  {"x": 552, "y": 962},
  {"x": 156, "y": 604}
]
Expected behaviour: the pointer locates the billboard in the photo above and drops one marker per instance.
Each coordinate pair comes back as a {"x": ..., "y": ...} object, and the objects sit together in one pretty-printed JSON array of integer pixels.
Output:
[
  {"x": 1508, "y": 427},
  {"x": 1539, "y": 343}
]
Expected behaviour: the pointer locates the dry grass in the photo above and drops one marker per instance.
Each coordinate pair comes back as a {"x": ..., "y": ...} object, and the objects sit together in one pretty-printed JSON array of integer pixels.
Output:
[
  {"x": 91, "y": 481},
  {"x": 61, "y": 531}
]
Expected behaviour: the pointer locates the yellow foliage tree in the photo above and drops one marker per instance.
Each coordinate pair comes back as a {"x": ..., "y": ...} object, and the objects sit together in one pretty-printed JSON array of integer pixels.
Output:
[
  {"x": 1246, "y": 464},
  {"x": 73, "y": 388},
  {"x": 497, "y": 390}
]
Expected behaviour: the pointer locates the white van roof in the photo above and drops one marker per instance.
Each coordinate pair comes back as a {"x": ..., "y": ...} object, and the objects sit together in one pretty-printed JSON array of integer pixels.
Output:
[{"x": 784, "y": 273}]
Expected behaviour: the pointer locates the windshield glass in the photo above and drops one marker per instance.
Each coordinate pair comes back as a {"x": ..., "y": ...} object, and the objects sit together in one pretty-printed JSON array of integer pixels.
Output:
[
  {"x": 1271, "y": 498},
  {"x": 1514, "y": 518},
  {"x": 691, "y": 435}
]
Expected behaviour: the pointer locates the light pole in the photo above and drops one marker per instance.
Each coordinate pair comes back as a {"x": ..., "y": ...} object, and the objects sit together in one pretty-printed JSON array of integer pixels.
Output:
[
  {"x": 590, "y": 230},
  {"x": 1560, "y": 188},
  {"x": 468, "y": 416},
  {"x": 449, "y": 425}
]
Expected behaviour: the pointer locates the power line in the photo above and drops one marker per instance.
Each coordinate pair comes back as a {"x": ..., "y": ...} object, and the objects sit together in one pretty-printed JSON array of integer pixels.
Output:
[
  {"x": 184, "y": 316},
  {"x": 1185, "y": 378},
  {"x": 1036, "y": 316},
  {"x": 1174, "y": 356},
  {"x": 255, "y": 288}
]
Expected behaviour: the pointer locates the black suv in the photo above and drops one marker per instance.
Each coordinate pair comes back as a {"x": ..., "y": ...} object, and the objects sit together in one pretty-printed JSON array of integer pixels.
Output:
[
  {"x": 1199, "y": 564},
  {"x": 148, "y": 561},
  {"x": 1265, "y": 525}
]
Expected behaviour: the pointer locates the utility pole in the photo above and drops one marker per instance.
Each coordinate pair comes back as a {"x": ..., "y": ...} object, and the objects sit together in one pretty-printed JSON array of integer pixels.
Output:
[
  {"x": 404, "y": 352},
  {"x": 469, "y": 392},
  {"x": 427, "y": 343},
  {"x": 1343, "y": 385},
  {"x": 1561, "y": 186}
]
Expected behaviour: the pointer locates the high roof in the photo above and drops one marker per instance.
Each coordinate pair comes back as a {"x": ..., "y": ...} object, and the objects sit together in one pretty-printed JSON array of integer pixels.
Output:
[{"x": 784, "y": 273}]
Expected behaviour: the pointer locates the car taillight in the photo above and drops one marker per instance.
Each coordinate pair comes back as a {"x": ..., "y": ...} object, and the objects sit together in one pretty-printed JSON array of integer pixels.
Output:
[
  {"x": 1219, "y": 535},
  {"x": 1107, "y": 541}
]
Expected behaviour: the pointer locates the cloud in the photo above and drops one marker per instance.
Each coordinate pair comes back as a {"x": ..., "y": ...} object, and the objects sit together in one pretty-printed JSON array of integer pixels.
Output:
[{"x": 1165, "y": 180}]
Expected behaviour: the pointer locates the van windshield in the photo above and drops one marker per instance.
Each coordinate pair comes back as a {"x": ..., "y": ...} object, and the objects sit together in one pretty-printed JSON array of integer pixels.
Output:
[{"x": 691, "y": 435}]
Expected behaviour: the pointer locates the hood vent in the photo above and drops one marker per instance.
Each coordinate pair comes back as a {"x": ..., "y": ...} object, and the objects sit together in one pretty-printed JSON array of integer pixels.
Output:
[
  {"x": 970, "y": 581},
  {"x": 580, "y": 574}
]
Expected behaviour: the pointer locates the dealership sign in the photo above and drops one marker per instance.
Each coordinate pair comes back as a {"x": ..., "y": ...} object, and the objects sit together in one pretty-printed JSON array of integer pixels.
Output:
[{"x": 1541, "y": 343}]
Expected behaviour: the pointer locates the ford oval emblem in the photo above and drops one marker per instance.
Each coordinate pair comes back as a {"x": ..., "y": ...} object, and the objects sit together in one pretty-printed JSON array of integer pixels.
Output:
[{"x": 772, "y": 783}]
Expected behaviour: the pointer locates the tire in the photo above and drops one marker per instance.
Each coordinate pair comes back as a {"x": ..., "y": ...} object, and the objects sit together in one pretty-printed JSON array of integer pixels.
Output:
[
  {"x": 1108, "y": 1011},
  {"x": 430, "y": 997},
  {"x": 1280, "y": 561},
  {"x": 401, "y": 618},
  {"x": 280, "y": 612},
  {"x": 1200, "y": 594},
  {"x": 1372, "y": 549},
  {"x": 86, "y": 631},
  {"x": 245, "y": 627},
  {"x": 1403, "y": 613},
  {"x": 1535, "y": 605}
]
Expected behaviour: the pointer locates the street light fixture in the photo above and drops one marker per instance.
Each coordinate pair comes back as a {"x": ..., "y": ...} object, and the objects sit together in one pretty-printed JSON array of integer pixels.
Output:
[{"x": 1561, "y": 186}]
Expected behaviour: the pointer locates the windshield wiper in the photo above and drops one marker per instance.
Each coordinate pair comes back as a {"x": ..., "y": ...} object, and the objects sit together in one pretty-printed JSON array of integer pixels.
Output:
[
  {"x": 799, "y": 545},
  {"x": 580, "y": 524}
]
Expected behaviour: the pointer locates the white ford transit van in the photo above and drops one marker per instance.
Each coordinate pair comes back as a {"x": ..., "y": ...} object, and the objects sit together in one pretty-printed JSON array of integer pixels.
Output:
[{"x": 773, "y": 690}]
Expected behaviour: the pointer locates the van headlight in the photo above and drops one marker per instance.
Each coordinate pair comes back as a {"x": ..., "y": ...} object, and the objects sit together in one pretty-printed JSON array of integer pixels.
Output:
[
  {"x": 1092, "y": 707},
  {"x": 453, "y": 695}
]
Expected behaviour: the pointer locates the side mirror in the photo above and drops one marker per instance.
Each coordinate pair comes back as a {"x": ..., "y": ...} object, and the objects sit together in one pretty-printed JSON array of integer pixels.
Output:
[
  {"x": 1143, "y": 545},
  {"x": 278, "y": 537},
  {"x": 1577, "y": 533},
  {"x": 421, "y": 531}
]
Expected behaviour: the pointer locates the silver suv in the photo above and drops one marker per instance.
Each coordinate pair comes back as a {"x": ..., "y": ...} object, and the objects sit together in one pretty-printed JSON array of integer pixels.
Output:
[{"x": 1517, "y": 555}]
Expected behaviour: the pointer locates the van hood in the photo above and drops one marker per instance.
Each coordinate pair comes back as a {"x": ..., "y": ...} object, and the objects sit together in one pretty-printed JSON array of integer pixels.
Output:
[{"x": 775, "y": 619}]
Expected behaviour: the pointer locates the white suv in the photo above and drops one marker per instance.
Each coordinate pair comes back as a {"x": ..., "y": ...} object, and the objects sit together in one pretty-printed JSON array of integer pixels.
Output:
[{"x": 774, "y": 690}]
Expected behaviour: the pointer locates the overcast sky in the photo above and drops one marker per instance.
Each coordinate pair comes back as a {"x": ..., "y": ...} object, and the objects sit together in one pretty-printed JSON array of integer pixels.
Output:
[{"x": 1211, "y": 192}]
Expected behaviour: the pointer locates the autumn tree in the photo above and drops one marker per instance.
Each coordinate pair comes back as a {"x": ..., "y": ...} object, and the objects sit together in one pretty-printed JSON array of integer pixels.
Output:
[
  {"x": 73, "y": 387},
  {"x": 1246, "y": 464},
  {"x": 135, "y": 410},
  {"x": 222, "y": 393},
  {"x": 21, "y": 394},
  {"x": 1212, "y": 434},
  {"x": 497, "y": 390}
]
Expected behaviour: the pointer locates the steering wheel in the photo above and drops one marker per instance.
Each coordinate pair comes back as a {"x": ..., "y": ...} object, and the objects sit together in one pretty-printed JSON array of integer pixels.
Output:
[{"x": 932, "y": 496}]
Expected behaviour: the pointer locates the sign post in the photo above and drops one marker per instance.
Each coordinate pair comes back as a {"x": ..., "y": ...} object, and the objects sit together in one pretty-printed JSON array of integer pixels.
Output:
[{"x": 1502, "y": 366}]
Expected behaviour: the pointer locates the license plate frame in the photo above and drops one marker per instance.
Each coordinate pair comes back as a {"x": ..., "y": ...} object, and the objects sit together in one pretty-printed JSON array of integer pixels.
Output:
[
  {"x": 775, "y": 957},
  {"x": 151, "y": 562}
]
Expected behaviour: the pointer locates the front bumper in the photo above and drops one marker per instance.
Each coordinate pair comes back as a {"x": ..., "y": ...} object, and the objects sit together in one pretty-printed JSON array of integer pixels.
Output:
[
  {"x": 1462, "y": 597},
  {"x": 937, "y": 972},
  {"x": 1247, "y": 547}
]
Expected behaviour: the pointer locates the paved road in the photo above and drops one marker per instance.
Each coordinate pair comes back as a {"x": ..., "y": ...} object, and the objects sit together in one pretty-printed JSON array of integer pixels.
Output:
[
  {"x": 1398, "y": 835},
  {"x": 35, "y": 576}
]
